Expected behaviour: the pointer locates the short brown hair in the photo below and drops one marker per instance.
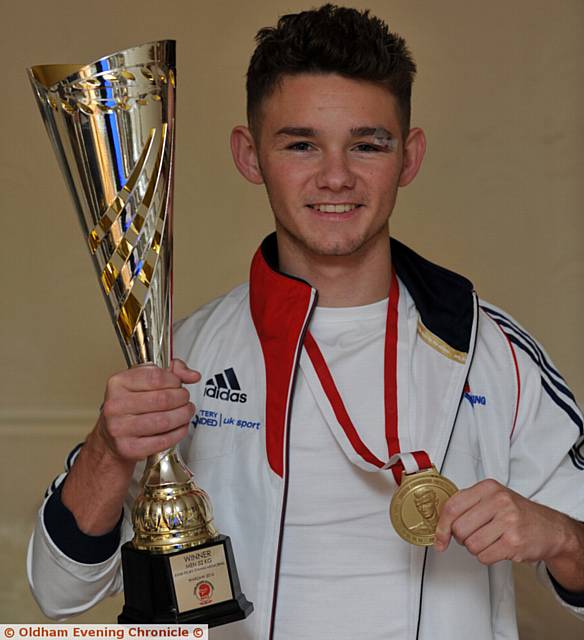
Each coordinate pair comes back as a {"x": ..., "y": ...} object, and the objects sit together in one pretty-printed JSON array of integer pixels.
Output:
[{"x": 330, "y": 39}]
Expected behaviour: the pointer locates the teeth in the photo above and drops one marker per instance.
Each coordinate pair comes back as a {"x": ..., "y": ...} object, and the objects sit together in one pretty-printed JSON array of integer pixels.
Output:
[{"x": 334, "y": 208}]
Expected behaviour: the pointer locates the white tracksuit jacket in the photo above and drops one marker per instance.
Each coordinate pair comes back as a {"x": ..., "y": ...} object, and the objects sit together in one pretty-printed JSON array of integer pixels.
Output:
[{"x": 491, "y": 406}]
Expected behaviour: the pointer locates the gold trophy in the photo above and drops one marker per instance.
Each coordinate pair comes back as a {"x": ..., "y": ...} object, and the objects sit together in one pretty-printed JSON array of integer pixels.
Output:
[{"x": 111, "y": 123}]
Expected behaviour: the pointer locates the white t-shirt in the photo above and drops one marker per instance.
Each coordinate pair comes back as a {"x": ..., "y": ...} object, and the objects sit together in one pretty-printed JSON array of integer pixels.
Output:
[{"x": 343, "y": 568}]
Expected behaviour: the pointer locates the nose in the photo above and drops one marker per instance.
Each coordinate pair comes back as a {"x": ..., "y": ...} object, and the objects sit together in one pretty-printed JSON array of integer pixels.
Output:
[{"x": 335, "y": 172}]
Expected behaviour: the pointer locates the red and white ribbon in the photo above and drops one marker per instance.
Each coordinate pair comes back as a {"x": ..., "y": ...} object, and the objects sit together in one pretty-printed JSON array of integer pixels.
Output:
[{"x": 412, "y": 461}]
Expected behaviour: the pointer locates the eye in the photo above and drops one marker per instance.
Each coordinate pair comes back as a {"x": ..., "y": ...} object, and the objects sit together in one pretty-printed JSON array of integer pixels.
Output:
[
  {"x": 300, "y": 146},
  {"x": 365, "y": 147}
]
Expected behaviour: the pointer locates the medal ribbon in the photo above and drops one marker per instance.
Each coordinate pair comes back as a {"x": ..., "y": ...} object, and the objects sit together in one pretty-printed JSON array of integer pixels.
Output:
[{"x": 398, "y": 461}]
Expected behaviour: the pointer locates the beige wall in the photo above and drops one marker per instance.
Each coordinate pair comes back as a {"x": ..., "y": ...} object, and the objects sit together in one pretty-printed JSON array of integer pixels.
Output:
[{"x": 499, "y": 93}]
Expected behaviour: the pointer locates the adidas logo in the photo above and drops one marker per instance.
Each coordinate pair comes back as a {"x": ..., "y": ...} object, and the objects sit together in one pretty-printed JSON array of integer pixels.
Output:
[{"x": 225, "y": 386}]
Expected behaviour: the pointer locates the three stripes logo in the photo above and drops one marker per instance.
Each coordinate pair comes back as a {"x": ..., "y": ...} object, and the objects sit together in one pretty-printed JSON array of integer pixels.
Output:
[
  {"x": 225, "y": 386},
  {"x": 551, "y": 380}
]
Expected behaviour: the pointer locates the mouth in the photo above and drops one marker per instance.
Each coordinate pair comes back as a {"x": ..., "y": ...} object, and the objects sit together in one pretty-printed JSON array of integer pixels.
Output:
[{"x": 328, "y": 207}]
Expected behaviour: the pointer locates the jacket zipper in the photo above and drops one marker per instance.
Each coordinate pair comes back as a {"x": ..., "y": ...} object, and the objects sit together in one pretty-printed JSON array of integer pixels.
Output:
[
  {"x": 287, "y": 463},
  {"x": 471, "y": 354}
]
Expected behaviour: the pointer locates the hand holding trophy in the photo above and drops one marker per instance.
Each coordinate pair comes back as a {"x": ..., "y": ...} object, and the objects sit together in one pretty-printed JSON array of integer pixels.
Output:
[{"x": 112, "y": 127}]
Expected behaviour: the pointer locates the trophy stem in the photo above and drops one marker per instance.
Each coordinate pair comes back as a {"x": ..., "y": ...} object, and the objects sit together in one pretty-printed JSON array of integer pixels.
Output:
[{"x": 172, "y": 512}]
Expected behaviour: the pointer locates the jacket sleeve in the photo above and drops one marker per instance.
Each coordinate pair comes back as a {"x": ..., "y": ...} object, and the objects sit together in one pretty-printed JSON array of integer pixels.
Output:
[
  {"x": 69, "y": 571},
  {"x": 547, "y": 438}
]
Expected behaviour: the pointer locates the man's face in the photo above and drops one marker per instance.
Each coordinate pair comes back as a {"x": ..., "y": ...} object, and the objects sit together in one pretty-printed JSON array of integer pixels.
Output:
[{"x": 331, "y": 152}]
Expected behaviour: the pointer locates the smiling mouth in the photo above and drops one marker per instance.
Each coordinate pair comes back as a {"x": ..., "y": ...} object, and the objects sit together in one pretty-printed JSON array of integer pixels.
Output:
[{"x": 334, "y": 208}]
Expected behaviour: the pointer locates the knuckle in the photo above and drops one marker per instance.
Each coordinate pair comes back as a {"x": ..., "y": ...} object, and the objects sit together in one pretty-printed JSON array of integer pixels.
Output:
[
  {"x": 457, "y": 531},
  {"x": 512, "y": 519},
  {"x": 473, "y": 547},
  {"x": 513, "y": 540},
  {"x": 124, "y": 449},
  {"x": 190, "y": 410},
  {"x": 115, "y": 429},
  {"x": 113, "y": 381},
  {"x": 448, "y": 509},
  {"x": 503, "y": 500},
  {"x": 518, "y": 557},
  {"x": 119, "y": 381},
  {"x": 183, "y": 415},
  {"x": 109, "y": 408},
  {"x": 491, "y": 485}
]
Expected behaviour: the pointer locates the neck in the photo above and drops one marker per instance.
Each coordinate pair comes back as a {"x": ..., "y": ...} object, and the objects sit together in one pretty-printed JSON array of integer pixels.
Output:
[{"x": 341, "y": 281}]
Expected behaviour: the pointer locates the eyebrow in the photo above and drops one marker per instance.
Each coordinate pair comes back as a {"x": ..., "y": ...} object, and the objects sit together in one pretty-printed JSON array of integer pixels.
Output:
[
  {"x": 357, "y": 132},
  {"x": 297, "y": 132},
  {"x": 364, "y": 132}
]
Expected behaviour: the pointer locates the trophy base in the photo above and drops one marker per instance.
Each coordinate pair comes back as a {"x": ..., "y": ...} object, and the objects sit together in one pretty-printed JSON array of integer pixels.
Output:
[{"x": 193, "y": 586}]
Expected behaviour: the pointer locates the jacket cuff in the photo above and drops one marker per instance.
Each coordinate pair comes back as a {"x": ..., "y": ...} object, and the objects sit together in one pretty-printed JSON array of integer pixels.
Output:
[
  {"x": 569, "y": 597},
  {"x": 63, "y": 530}
]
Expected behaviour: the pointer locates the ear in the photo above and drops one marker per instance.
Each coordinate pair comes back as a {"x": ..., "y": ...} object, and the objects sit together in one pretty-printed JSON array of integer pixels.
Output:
[
  {"x": 414, "y": 149},
  {"x": 243, "y": 149}
]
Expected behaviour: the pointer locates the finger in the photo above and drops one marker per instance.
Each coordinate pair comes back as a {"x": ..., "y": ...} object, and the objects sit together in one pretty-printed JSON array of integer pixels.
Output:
[
  {"x": 139, "y": 402},
  {"x": 151, "y": 424},
  {"x": 460, "y": 503},
  {"x": 143, "y": 378},
  {"x": 184, "y": 372},
  {"x": 453, "y": 508},
  {"x": 473, "y": 519},
  {"x": 496, "y": 552},
  {"x": 483, "y": 538},
  {"x": 140, "y": 448}
]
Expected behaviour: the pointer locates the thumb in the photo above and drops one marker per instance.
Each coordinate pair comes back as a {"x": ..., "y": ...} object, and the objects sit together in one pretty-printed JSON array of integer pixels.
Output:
[{"x": 185, "y": 373}]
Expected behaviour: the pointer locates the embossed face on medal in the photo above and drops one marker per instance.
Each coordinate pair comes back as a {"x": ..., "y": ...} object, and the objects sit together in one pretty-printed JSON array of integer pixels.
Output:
[
  {"x": 416, "y": 506},
  {"x": 120, "y": 111}
]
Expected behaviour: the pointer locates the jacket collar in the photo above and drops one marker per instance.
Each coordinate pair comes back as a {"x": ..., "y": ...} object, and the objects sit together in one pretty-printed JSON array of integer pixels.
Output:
[
  {"x": 443, "y": 298},
  {"x": 280, "y": 308}
]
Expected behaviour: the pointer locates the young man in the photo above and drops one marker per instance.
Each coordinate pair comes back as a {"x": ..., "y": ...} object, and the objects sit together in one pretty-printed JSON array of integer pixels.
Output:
[{"x": 350, "y": 348}]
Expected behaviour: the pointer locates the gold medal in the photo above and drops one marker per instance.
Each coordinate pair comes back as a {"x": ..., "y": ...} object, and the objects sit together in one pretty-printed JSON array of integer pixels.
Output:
[{"x": 417, "y": 503}]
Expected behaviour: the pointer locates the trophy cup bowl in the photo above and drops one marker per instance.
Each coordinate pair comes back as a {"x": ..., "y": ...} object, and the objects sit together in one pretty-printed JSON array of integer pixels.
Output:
[{"x": 111, "y": 123}]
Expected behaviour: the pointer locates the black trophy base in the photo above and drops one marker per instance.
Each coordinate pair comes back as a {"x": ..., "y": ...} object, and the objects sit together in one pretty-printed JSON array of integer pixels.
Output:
[{"x": 196, "y": 586}]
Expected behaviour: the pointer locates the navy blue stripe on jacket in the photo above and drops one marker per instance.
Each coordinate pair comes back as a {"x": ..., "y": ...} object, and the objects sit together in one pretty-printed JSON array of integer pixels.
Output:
[{"x": 552, "y": 382}]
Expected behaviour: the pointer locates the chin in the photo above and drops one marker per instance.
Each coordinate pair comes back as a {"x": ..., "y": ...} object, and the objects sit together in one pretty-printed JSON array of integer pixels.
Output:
[
  {"x": 335, "y": 247},
  {"x": 333, "y": 243},
  {"x": 342, "y": 244}
]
